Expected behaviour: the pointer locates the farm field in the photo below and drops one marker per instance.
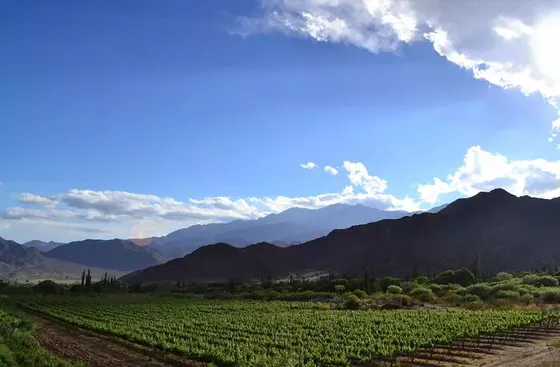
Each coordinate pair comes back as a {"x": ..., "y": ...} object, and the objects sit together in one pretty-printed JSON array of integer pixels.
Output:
[{"x": 251, "y": 333}]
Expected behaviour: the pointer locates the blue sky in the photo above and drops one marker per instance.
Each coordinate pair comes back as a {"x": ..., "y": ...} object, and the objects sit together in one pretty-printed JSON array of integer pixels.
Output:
[{"x": 134, "y": 118}]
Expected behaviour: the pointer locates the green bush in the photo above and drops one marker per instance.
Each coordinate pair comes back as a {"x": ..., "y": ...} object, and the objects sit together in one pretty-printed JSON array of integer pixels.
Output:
[
  {"x": 423, "y": 294},
  {"x": 505, "y": 294},
  {"x": 526, "y": 298},
  {"x": 524, "y": 290},
  {"x": 394, "y": 289},
  {"x": 470, "y": 298},
  {"x": 339, "y": 288},
  {"x": 359, "y": 293},
  {"x": 352, "y": 302},
  {"x": 402, "y": 299},
  {"x": 453, "y": 288},
  {"x": 550, "y": 294},
  {"x": 436, "y": 288},
  {"x": 422, "y": 280},
  {"x": 546, "y": 281},
  {"x": 462, "y": 277},
  {"x": 481, "y": 290},
  {"x": 503, "y": 276},
  {"x": 384, "y": 283},
  {"x": 510, "y": 286},
  {"x": 408, "y": 286},
  {"x": 530, "y": 279}
]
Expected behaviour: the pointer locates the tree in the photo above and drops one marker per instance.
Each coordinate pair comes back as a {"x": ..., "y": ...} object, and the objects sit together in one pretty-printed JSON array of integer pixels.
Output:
[
  {"x": 384, "y": 283},
  {"x": 415, "y": 272},
  {"x": 48, "y": 287},
  {"x": 366, "y": 281},
  {"x": 83, "y": 278},
  {"x": 474, "y": 266},
  {"x": 88, "y": 278}
]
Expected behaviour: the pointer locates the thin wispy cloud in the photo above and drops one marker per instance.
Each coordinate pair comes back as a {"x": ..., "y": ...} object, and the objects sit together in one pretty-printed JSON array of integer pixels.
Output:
[{"x": 308, "y": 165}]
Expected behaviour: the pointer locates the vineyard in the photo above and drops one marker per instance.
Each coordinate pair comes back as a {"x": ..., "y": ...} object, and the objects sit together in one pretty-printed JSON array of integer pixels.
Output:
[{"x": 277, "y": 333}]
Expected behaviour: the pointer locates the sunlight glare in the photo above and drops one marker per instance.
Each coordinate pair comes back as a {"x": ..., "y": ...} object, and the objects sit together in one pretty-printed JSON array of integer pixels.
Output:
[{"x": 546, "y": 47}]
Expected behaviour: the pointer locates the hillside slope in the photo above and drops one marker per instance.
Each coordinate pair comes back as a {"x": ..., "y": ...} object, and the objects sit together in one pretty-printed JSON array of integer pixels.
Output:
[
  {"x": 111, "y": 254},
  {"x": 20, "y": 262},
  {"x": 502, "y": 231},
  {"x": 42, "y": 246}
]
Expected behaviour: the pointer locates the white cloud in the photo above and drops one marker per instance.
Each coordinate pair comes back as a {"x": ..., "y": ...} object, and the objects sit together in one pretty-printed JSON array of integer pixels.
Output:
[
  {"x": 484, "y": 171},
  {"x": 359, "y": 177},
  {"x": 125, "y": 214},
  {"x": 78, "y": 214},
  {"x": 333, "y": 171},
  {"x": 27, "y": 198},
  {"x": 308, "y": 165},
  {"x": 510, "y": 44}
]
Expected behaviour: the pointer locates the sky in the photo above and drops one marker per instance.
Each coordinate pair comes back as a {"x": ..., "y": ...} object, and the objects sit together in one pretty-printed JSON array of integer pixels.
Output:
[{"x": 134, "y": 118}]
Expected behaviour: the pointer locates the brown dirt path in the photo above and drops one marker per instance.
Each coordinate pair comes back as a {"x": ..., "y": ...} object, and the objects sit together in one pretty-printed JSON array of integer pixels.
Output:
[
  {"x": 95, "y": 350},
  {"x": 541, "y": 353}
]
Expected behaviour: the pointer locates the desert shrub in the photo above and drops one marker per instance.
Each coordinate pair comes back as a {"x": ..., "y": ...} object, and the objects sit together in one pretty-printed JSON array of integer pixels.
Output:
[
  {"x": 530, "y": 279},
  {"x": 359, "y": 293},
  {"x": 505, "y": 294},
  {"x": 500, "y": 277},
  {"x": 546, "y": 281},
  {"x": 422, "y": 280},
  {"x": 339, "y": 288},
  {"x": 340, "y": 281},
  {"x": 480, "y": 290},
  {"x": 384, "y": 283},
  {"x": 402, "y": 299},
  {"x": 550, "y": 294},
  {"x": 394, "y": 289},
  {"x": 524, "y": 290},
  {"x": 462, "y": 277},
  {"x": 408, "y": 286},
  {"x": 509, "y": 286},
  {"x": 470, "y": 298},
  {"x": 526, "y": 299},
  {"x": 352, "y": 302},
  {"x": 453, "y": 288},
  {"x": 436, "y": 288},
  {"x": 422, "y": 294}
]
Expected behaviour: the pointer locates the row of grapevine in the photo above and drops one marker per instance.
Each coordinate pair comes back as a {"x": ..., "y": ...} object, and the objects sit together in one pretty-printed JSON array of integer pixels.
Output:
[{"x": 278, "y": 333}]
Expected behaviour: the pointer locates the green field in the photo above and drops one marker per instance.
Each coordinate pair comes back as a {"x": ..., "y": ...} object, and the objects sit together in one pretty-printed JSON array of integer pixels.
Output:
[
  {"x": 275, "y": 333},
  {"x": 17, "y": 347}
]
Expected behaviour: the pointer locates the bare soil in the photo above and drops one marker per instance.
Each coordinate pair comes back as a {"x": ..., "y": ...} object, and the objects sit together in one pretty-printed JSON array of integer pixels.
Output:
[
  {"x": 533, "y": 348},
  {"x": 95, "y": 350}
]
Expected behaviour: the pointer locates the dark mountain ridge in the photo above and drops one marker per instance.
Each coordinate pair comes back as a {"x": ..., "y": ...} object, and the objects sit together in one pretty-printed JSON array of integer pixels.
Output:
[
  {"x": 20, "y": 262},
  {"x": 108, "y": 254},
  {"x": 503, "y": 232}
]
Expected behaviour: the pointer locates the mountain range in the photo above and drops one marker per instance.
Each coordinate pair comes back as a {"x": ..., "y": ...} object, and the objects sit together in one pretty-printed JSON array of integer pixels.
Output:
[
  {"x": 488, "y": 232},
  {"x": 289, "y": 227},
  {"x": 28, "y": 263},
  {"x": 41, "y": 245},
  {"x": 292, "y": 226}
]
